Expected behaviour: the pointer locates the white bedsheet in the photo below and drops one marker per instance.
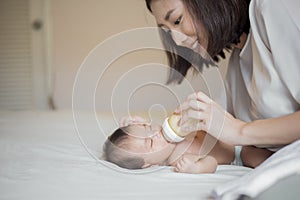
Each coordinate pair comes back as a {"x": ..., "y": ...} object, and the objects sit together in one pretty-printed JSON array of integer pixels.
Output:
[
  {"x": 42, "y": 158},
  {"x": 281, "y": 165}
]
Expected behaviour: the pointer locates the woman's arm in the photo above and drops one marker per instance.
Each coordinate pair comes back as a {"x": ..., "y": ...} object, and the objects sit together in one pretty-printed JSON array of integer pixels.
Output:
[
  {"x": 213, "y": 119},
  {"x": 275, "y": 131}
]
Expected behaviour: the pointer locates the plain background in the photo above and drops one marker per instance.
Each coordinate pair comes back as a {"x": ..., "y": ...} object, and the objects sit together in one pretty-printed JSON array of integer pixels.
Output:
[{"x": 78, "y": 26}]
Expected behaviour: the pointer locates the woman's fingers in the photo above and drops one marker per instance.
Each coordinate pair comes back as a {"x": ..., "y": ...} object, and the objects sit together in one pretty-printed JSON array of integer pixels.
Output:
[
  {"x": 197, "y": 107},
  {"x": 193, "y": 127},
  {"x": 128, "y": 120},
  {"x": 199, "y": 96},
  {"x": 191, "y": 114},
  {"x": 203, "y": 97},
  {"x": 191, "y": 104},
  {"x": 195, "y": 101},
  {"x": 123, "y": 121},
  {"x": 199, "y": 112}
]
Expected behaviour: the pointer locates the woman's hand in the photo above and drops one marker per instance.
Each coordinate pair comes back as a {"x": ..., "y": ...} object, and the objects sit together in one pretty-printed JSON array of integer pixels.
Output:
[
  {"x": 129, "y": 120},
  {"x": 209, "y": 117}
]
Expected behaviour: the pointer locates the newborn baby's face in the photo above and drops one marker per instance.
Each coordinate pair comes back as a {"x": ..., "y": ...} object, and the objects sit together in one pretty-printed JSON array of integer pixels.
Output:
[
  {"x": 148, "y": 139},
  {"x": 148, "y": 135}
]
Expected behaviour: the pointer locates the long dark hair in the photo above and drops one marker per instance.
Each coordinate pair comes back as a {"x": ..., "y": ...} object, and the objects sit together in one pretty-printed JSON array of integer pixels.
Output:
[{"x": 224, "y": 20}]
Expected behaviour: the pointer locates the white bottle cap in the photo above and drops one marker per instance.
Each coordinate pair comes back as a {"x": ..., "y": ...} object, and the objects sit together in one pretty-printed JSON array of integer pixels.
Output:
[{"x": 169, "y": 134}]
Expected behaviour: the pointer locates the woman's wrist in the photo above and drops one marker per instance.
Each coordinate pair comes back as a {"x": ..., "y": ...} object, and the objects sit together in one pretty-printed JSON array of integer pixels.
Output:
[
  {"x": 240, "y": 136},
  {"x": 232, "y": 132}
]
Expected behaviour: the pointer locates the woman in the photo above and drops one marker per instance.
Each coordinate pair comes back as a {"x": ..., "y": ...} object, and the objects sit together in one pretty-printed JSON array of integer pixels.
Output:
[{"x": 262, "y": 82}]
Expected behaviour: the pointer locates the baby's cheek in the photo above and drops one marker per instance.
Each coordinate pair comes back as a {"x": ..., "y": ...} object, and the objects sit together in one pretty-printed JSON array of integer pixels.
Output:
[{"x": 161, "y": 146}]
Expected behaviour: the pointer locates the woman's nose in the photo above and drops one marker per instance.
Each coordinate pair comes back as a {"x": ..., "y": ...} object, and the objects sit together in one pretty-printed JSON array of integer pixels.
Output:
[{"x": 178, "y": 37}]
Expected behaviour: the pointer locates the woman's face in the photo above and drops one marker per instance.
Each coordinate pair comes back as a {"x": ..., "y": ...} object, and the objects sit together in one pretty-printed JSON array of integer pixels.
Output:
[
  {"x": 149, "y": 142},
  {"x": 172, "y": 15}
]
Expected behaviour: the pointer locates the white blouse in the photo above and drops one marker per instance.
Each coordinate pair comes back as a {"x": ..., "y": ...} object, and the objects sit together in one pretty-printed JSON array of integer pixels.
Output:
[{"x": 263, "y": 80}]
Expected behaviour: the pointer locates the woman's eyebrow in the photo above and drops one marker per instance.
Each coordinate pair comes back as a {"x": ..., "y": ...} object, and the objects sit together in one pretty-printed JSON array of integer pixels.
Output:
[{"x": 167, "y": 17}]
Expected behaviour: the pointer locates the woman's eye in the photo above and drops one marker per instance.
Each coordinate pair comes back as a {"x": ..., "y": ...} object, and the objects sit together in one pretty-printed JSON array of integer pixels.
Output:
[{"x": 177, "y": 22}]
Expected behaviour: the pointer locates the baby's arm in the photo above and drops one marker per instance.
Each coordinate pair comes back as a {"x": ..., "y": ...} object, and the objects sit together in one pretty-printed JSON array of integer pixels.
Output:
[{"x": 190, "y": 163}]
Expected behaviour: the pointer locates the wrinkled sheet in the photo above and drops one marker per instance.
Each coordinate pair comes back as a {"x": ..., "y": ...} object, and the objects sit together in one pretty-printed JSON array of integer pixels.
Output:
[{"x": 282, "y": 164}]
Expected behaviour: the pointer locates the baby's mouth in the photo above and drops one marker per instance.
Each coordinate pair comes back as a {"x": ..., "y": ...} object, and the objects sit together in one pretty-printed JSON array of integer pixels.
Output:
[{"x": 162, "y": 136}]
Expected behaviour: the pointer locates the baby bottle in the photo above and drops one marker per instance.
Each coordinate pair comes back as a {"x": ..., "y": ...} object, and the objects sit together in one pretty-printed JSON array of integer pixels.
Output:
[{"x": 171, "y": 130}]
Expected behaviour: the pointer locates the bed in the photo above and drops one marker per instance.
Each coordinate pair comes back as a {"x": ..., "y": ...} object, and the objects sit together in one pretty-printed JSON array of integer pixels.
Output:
[{"x": 54, "y": 155}]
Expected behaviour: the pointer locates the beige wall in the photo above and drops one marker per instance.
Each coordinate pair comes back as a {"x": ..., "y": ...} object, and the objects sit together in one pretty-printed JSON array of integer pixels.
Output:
[{"x": 78, "y": 26}]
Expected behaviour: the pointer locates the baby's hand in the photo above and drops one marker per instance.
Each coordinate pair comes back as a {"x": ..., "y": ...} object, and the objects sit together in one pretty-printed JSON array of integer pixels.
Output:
[
  {"x": 187, "y": 164},
  {"x": 128, "y": 120},
  {"x": 190, "y": 163}
]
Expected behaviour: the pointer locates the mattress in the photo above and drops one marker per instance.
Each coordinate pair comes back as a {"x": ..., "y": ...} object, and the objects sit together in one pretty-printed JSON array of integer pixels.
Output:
[{"x": 55, "y": 155}]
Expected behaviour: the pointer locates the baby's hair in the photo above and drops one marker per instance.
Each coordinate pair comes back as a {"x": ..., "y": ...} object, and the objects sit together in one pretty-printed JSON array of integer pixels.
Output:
[{"x": 114, "y": 150}]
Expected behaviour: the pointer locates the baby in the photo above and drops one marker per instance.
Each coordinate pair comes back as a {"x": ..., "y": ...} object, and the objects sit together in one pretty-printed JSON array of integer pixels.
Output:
[
  {"x": 141, "y": 145},
  {"x": 138, "y": 146}
]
